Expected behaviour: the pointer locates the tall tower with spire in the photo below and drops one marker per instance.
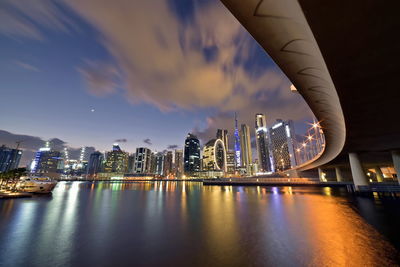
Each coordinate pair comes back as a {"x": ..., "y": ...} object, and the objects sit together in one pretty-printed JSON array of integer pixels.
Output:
[{"x": 237, "y": 144}]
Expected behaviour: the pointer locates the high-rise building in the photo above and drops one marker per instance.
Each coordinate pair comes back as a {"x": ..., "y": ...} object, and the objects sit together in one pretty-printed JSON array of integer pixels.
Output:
[
  {"x": 214, "y": 156},
  {"x": 159, "y": 160},
  {"x": 131, "y": 163},
  {"x": 142, "y": 160},
  {"x": 153, "y": 163},
  {"x": 246, "y": 153},
  {"x": 237, "y": 144},
  {"x": 116, "y": 160},
  {"x": 262, "y": 143},
  {"x": 46, "y": 161},
  {"x": 9, "y": 158},
  {"x": 178, "y": 164},
  {"x": 223, "y": 135},
  {"x": 168, "y": 163},
  {"x": 230, "y": 162},
  {"x": 282, "y": 145},
  {"x": 191, "y": 155},
  {"x": 95, "y": 165}
]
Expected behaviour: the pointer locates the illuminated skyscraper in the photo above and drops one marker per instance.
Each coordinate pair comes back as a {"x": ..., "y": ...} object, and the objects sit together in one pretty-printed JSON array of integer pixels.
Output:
[
  {"x": 168, "y": 166},
  {"x": 262, "y": 142},
  {"x": 142, "y": 160},
  {"x": 178, "y": 165},
  {"x": 230, "y": 162},
  {"x": 282, "y": 145},
  {"x": 46, "y": 161},
  {"x": 191, "y": 155},
  {"x": 159, "y": 158},
  {"x": 214, "y": 156},
  {"x": 237, "y": 144},
  {"x": 246, "y": 152},
  {"x": 223, "y": 135},
  {"x": 116, "y": 160},
  {"x": 95, "y": 165},
  {"x": 9, "y": 158}
]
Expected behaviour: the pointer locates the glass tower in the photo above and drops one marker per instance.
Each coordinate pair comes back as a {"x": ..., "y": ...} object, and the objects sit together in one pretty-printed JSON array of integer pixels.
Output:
[
  {"x": 237, "y": 144},
  {"x": 191, "y": 155},
  {"x": 262, "y": 141}
]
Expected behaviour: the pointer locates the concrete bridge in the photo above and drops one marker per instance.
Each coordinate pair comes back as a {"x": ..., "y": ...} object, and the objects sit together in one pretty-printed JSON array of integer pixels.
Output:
[{"x": 342, "y": 58}]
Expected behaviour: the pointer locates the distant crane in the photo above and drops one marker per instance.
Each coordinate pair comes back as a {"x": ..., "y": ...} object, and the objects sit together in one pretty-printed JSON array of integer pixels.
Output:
[{"x": 18, "y": 144}]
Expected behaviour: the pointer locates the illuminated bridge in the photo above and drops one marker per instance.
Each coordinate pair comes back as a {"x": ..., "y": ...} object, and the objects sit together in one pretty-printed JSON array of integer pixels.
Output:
[{"x": 342, "y": 56}]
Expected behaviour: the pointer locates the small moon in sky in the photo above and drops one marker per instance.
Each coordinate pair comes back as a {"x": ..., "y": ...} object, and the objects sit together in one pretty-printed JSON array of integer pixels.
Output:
[{"x": 92, "y": 110}]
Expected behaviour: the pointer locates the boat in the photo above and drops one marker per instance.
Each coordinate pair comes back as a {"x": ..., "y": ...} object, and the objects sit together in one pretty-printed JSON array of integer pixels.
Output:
[{"x": 34, "y": 184}]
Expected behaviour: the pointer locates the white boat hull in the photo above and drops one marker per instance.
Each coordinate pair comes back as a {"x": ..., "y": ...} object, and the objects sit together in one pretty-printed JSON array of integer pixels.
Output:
[{"x": 36, "y": 186}]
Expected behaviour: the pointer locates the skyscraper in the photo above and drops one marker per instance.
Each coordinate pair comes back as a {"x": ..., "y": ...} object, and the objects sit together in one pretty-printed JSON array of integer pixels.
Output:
[
  {"x": 168, "y": 166},
  {"x": 191, "y": 155},
  {"x": 246, "y": 152},
  {"x": 237, "y": 144},
  {"x": 46, "y": 161},
  {"x": 9, "y": 158},
  {"x": 95, "y": 163},
  {"x": 223, "y": 135},
  {"x": 142, "y": 160},
  {"x": 214, "y": 156},
  {"x": 230, "y": 162},
  {"x": 282, "y": 145},
  {"x": 159, "y": 158},
  {"x": 178, "y": 165},
  {"x": 131, "y": 163},
  {"x": 262, "y": 142},
  {"x": 116, "y": 160}
]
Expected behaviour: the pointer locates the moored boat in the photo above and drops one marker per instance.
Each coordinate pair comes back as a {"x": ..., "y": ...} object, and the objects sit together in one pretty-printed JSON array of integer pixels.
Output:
[{"x": 34, "y": 184}]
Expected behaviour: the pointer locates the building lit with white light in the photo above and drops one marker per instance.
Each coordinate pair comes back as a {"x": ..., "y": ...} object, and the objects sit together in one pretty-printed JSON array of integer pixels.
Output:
[
  {"x": 246, "y": 153},
  {"x": 142, "y": 160},
  {"x": 282, "y": 145},
  {"x": 223, "y": 135},
  {"x": 9, "y": 158},
  {"x": 237, "y": 144},
  {"x": 191, "y": 156},
  {"x": 230, "y": 163},
  {"x": 214, "y": 156},
  {"x": 262, "y": 143},
  {"x": 46, "y": 162},
  {"x": 159, "y": 163}
]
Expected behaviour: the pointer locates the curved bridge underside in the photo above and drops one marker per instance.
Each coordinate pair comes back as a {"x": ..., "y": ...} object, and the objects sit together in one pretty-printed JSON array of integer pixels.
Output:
[{"x": 281, "y": 28}]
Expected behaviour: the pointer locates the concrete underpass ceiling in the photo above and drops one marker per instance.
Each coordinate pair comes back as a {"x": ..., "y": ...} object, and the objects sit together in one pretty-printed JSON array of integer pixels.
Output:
[{"x": 360, "y": 44}]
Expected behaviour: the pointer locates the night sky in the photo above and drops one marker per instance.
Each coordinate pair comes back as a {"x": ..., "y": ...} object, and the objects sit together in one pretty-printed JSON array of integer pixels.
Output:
[{"x": 145, "y": 73}]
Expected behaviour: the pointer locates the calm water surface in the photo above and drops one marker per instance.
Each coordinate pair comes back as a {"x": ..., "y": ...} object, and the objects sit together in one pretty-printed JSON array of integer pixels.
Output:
[{"x": 187, "y": 224}]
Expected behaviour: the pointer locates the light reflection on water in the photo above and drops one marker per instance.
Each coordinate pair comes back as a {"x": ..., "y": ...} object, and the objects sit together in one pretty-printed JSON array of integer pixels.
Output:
[{"x": 185, "y": 223}]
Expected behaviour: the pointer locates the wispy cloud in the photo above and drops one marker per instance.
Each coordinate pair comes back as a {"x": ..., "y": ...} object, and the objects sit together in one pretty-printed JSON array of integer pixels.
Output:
[
  {"x": 206, "y": 60},
  {"x": 147, "y": 141},
  {"x": 172, "y": 147},
  {"x": 101, "y": 78},
  {"x": 17, "y": 17},
  {"x": 122, "y": 140},
  {"x": 26, "y": 66}
]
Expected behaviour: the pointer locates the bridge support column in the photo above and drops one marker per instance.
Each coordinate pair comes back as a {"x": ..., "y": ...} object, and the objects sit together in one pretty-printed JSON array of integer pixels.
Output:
[
  {"x": 339, "y": 176},
  {"x": 321, "y": 175},
  {"x": 379, "y": 174},
  {"x": 396, "y": 163},
  {"x": 359, "y": 177}
]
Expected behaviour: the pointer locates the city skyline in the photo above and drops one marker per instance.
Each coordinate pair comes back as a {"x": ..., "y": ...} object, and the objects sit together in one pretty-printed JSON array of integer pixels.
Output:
[
  {"x": 199, "y": 133},
  {"x": 58, "y": 86}
]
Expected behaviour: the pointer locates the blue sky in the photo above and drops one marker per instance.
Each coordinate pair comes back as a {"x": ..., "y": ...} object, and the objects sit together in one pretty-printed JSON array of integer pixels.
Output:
[{"x": 155, "y": 70}]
